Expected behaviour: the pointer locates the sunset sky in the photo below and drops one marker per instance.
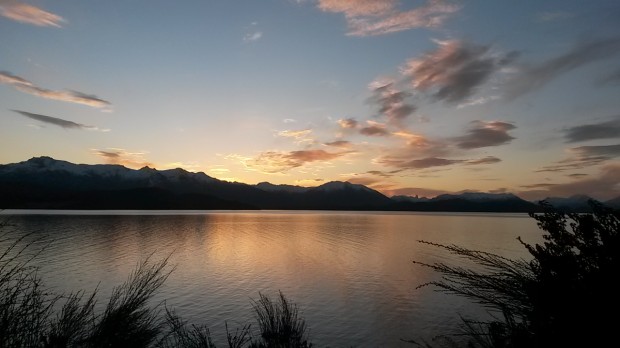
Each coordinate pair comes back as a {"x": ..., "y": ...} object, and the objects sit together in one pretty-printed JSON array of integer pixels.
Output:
[{"x": 416, "y": 97}]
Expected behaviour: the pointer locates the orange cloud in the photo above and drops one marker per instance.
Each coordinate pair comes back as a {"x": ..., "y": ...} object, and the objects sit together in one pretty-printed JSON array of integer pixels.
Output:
[
  {"x": 123, "y": 157},
  {"x": 29, "y": 14},
  {"x": 272, "y": 162},
  {"x": 377, "y": 17}
]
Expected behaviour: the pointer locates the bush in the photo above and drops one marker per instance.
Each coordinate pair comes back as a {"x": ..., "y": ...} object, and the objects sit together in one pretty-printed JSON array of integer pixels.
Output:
[{"x": 566, "y": 295}]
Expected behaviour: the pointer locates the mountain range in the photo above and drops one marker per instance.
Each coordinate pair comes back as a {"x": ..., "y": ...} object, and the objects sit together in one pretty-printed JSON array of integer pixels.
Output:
[{"x": 46, "y": 183}]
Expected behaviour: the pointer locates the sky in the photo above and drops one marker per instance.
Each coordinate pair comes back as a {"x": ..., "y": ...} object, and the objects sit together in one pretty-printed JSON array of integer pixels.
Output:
[{"x": 409, "y": 97}]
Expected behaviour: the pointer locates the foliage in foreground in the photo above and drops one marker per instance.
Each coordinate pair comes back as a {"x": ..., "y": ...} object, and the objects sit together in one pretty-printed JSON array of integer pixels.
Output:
[
  {"x": 566, "y": 296},
  {"x": 130, "y": 319}
]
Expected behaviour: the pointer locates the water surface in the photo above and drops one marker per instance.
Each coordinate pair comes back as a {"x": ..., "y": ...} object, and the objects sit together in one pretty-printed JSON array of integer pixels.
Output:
[{"x": 351, "y": 273}]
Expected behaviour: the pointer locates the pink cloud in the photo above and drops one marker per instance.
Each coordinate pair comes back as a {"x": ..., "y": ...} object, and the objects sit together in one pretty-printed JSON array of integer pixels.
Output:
[{"x": 29, "y": 14}]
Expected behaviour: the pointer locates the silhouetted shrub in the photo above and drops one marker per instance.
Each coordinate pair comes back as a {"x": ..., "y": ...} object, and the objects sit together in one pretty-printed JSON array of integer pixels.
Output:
[
  {"x": 279, "y": 323},
  {"x": 567, "y": 295},
  {"x": 27, "y": 317}
]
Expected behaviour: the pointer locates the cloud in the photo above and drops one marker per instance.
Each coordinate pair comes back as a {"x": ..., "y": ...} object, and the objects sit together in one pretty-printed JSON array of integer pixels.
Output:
[
  {"x": 348, "y": 123},
  {"x": 300, "y": 136},
  {"x": 477, "y": 101},
  {"x": 272, "y": 162},
  {"x": 610, "y": 79},
  {"x": 374, "y": 129},
  {"x": 379, "y": 173},
  {"x": 123, "y": 157},
  {"x": 29, "y": 14},
  {"x": 339, "y": 143},
  {"x": 584, "y": 157},
  {"x": 362, "y": 180},
  {"x": 603, "y": 130},
  {"x": 534, "y": 77},
  {"x": 378, "y": 17},
  {"x": 553, "y": 16},
  {"x": 391, "y": 102},
  {"x": 455, "y": 70},
  {"x": 415, "y": 192},
  {"x": 422, "y": 163},
  {"x": 253, "y": 37},
  {"x": 484, "y": 134},
  {"x": 605, "y": 185},
  {"x": 484, "y": 160},
  {"x": 75, "y": 97},
  {"x": 56, "y": 121}
]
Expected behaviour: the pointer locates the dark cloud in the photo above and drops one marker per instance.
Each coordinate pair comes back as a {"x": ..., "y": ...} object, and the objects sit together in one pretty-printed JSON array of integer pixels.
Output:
[
  {"x": 339, "y": 143},
  {"x": 484, "y": 160},
  {"x": 483, "y": 134},
  {"x": 55, "y": 121},
  {"x": 422, "y": 163},
  {"x": 584, "y": 157},
  {"x": 604, "y": 186},
  {"x": 416, "y": 191},
  {"x": 379, "y": 173},
  {"x": 533, "y": 77},
  {"x": 75, "y": 97},
  {"x": 391, "y": 102},
  {"x": 374, "y": 129},
  {"x": 611, "y": 79},
  {"x": 603, "y": 130},
  {"x": 455, "y": 70}
]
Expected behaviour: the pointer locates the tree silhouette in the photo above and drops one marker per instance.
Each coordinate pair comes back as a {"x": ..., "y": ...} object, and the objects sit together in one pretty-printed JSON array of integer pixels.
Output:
[{"x": 567, "y": 295}]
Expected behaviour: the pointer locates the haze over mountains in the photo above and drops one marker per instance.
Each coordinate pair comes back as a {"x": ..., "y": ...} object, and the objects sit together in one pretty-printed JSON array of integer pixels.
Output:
[{"x": 46, "y": 183}]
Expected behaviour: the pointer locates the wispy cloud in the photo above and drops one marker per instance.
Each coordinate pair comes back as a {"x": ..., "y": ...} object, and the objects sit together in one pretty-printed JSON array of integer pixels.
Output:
[
  {"x": 24, "y": 13},
  {"x": 552, "y": 16},
  {"x": 300, "y": 136},
  {"x": 272, "y": 162},
  {"x": 391, "y": 102},
  {"x": 415, "y": 191},
  {"x": 57, "y": 121},
  {"x": 421, "y": 163},
  {"x": 253, "y": 37},
  {"x": 123, "y": 157},
  {"x": 484, "y": 134},
  {"x": 348, "y": 123},
  {"x": 603, "y": 130},
  {"x": 378, "y": 17},
  {"x": 75, "y": 97},
  {"x": 374, "y": 129},
  {"x": 533, "y": 77},
  {"x": 484, "y": 160},
  {"x": 584, "y": 157},
  {"x": 605, "y": 185},
  {"x": 339, "y": 143},
  {"x": 454, "y": 71}
]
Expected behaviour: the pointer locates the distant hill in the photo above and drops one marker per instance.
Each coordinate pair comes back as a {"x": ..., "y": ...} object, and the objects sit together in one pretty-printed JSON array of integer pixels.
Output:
[
  {"x": 46, "y": 183},
  {"x": 468, "y": 202}
]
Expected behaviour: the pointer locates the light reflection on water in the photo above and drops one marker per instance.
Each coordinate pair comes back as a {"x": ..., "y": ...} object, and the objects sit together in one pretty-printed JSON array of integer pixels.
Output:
[{"x": 350, "y": 272}]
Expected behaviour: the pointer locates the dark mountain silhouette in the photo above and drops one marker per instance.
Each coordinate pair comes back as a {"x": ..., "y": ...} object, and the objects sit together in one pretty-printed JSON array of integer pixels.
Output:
[
  {"x": 46, "y": 183},
  {"x": 467, "y": 202}
]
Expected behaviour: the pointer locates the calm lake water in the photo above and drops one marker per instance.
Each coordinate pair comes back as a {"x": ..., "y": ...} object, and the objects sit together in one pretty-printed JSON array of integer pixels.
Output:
[{"x": 350, "y": 272}]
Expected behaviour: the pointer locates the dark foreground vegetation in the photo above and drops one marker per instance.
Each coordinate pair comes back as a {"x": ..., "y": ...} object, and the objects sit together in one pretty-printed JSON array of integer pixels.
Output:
[{"x": 567, "y": 295}]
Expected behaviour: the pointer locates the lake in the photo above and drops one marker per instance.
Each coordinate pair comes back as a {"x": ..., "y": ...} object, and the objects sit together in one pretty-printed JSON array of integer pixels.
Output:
[{"x": 351, "y": 273}]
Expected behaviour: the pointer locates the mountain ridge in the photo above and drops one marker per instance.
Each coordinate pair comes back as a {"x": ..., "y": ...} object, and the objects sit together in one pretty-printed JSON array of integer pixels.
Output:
[{"x": 44, "y": 182}]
